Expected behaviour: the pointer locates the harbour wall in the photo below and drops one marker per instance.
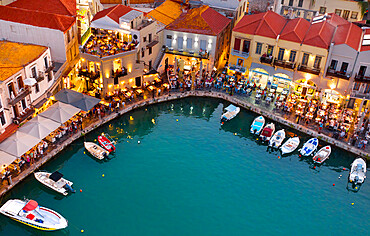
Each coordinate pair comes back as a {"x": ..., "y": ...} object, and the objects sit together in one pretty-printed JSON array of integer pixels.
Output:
[{"x": 170, "y": 97}]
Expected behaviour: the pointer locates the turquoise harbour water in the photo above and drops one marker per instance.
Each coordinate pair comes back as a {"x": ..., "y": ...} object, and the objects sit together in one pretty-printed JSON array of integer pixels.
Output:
[{"x": 194, "y": 177}]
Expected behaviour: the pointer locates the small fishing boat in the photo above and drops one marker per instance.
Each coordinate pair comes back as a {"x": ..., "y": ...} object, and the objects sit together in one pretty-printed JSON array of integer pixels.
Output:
[
  {"x": 358, "y": 171},
  {"x": 267, "y": 132},
  {"x": 322, "y": 155},
  {"x": 95, "y": 150},
  {"x": 30, "y": 213},
  {"x": 309, "y": 147},
  {"x": 257, "y": 125},
  {"x": 277, "y": 139},
  {"x": 106, "y": 143},
  {"x": 290, "y": 145},
  {"x": 55, "y": 181},
  {"x": 231, "y": 112}
]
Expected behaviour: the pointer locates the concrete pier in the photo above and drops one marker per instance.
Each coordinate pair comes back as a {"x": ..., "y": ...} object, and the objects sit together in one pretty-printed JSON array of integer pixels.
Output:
[{"x": 171, "y": 97}]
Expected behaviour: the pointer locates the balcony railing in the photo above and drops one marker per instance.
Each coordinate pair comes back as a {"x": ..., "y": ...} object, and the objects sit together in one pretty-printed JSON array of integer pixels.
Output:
[
  {"x": 312, "y": 70},
  {"x": 203, "y": 55},
  {"x": 284, "y": 64},
  {"x": 267, "y": 60},
  {"x": 339, "y": 74},
  {"x": 21, "y": 95},
  {"x": 88, "y": 74},
  {"x": 357, "y": 94},
  {"x": 24, "y": 115},
  {"x": 40, "y": 77},
  {"x": 50, "y": 68},
  {"x": 362, "y": 78},
  {"x": 240, "y": 53}
]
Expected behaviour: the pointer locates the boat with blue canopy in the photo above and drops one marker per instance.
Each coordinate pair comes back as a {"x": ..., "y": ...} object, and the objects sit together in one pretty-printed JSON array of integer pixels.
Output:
[
  {"x": 257, "y": 125},
  {"x": 231, "y": 112},
  {"x": 309, "y": 147}
]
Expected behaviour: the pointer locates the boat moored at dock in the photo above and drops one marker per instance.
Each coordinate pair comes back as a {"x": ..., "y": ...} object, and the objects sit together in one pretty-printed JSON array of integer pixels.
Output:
[
  {"x": 309, "y": 147},
  {"x": 55, "y": 181},
  {"x": 322, "y": 155},
  {"x": 267, "y": 132},
  {"x": 277, "y": 139},
  {"x": 95, "y": 150},
  {"x": 290, "y": 145},
  {"x": 231, "y": 112},
  {"x": 358, "y": 171},
  {"x": 257, "y": 125}
]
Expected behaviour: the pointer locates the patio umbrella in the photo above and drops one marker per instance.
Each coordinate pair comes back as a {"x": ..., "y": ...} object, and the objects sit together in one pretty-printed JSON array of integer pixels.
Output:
[
  {"x": 86, "y": 103},
  {"x": 39, "y": 127},
  {"x": 60, "y": 112},
  {"x": 6, "y": 159},
  {"x": 29, "y": 81},
  {"x": 18, "y": 144},
  {"x": 68, "y": 96}
]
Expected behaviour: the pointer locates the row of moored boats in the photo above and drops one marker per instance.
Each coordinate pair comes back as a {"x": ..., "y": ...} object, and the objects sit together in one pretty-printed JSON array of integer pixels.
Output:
[{"x": 30, "y": 213}]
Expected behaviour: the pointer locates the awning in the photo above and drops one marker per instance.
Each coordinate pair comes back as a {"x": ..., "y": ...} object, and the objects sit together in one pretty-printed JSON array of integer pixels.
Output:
[
  {"x": 40, "y": 103},
  {"x": 18, "y": 143},
  {"x": 286, "y": 72},
  {"x": 30, "y": 206},
  {"x": 151, "y": 72},
  {"x": 60, "y": 112},
  {"x": 76, "y": 99},
  {"x": 56, "y": 176},
  {"x": 269, "y": 69},
  {"x": 39, "y": 127},
  {"x": 152, "y": 44},
  {"x": 6, "y": 159}
]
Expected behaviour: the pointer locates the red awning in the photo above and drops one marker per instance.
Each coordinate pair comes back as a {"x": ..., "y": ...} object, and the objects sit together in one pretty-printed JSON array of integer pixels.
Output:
[{"x": 30, "y": 206}]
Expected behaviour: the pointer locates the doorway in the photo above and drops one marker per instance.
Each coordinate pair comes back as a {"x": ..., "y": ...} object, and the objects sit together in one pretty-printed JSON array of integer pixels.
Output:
[
  {"x": 304, "y": 91},
  {"x": 138, "y": 81}
]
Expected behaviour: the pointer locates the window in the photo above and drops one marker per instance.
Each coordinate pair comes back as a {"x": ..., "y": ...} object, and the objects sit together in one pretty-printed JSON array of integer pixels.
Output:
[
  {"x": 46, "y": 63},
  {"x": 362, "y": 70},
  {"x": 292, "y": 56},
  {"x": 37, "y": 88},
  {"x": 300, "y": 3},
  {"x": 345, "y": 14},
  {"x": 203, "y": 44},
  {"x": 317, "y": 62},
  {"x": 240, "y": 62},
  {"x": 33, "y": 72},
  {"x": 180, "y": 43},
  {"x": 68, "y": 37},
  {"x": 291, "y": 3},
  {"x": 115, "y": 80},
  {"x": 338, "y": 12},
  {"x": 2, "y": 118},
  {"x": 322, "y": 10},
  {"x": 12, "y": 29},
  {"x": 169, "y": 41},
  {"x": 150, "y": 64},
  {"x": 150, "y": 50},
  {"x": 244, "y": 7},
  {"x": 246, "y": 46},
  {"x": 333, "y": 64},
  {"x": 354, "y": 15},
  {"x": 144, "y": 39},
  {"x": 50, "y": 76},
  {"x": 344, "y": 67},
  {"x": 281, "y": 54},
  {"x": 356, "y": 86},
  {"x": 259, "y": 48},
  {"x": 150, "y": 38},
  {"x": 20, "y": 82},
  {"x": 11, "y": 90},
  {"x": 270, "y": 50},
  {"x": 1, "y": 105},
  {"x": 132, "y": 24},
  {"x": 24, "y": 105},
  {"x": 305, "y": 59},
  {"x": 142, "y": 53},
  {"x": 237, "y": 44},
  {"x": 282, "y": 2},
  {"x": 189, "y": 43},
  {"x": 367, "y": 89}
]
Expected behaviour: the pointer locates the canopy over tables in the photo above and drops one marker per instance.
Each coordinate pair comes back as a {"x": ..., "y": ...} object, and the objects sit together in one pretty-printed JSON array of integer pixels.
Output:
[
  {"x": 60, "y": 112},
  {"x": 39, "y": 127},
  {"x": 76, "y": 99},
  {"x": 18, "y": 144},
  {"x": 6, "y": 159}
]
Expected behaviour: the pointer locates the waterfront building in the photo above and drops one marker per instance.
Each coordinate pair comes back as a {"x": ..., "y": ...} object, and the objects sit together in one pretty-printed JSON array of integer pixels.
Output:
[
  {"x": 51, "y": 23},
  {"x": 122, "y": 46},
  {"x": 198, "y": 39},
  {"x": 348, "y": 9},
  {"x": 86, "y": 10},
  {"x": 19, "y": 63},
  {"x": 242, "y": 9}
]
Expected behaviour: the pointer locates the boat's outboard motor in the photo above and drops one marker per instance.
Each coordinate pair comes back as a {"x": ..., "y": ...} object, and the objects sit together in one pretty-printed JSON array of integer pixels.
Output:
[
  {"x": 69, "y": 188},
  {"x": 255, "y": 131},
  {"x": 356, "y": 179}
]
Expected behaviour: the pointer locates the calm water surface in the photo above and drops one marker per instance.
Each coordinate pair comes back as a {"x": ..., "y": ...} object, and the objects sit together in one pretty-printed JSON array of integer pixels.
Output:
[{"x": 190, "y": 176}]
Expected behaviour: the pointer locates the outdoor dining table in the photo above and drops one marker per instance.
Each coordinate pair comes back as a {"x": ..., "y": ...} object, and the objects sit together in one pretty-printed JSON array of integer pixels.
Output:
[
  {"x": 138, "y": 91},
  {"x": 284, "y": 92},
  {"x": 271, "y": 95},
  {"x": 258, "y": 95},
  {"x": 259, "y": 91},
  {"x": 150, "y": 88},
  {"x": 272, "y": 90}
]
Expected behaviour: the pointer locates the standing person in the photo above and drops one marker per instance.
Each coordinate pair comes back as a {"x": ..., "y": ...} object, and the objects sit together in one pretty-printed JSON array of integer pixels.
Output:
[{"x": 159, "y": 92}]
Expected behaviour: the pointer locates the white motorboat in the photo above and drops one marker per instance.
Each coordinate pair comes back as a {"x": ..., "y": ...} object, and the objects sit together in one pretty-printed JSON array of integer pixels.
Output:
[
  {"x": 95, "y": 150},
  {"x": 55, "y": 181},
  {"x": 358, "y": 171},
  {"x": 322, "y": 155},
  {"x": 30, "y": 213},
  {"x": 309, "y": 147},
  {"x": 267, "y": 132},
  {"x": 257, "y": 125},
  {"x": 290, "y": 145},
  {"x": 277, "y": 139},
  {"x": 231, "y": 112}
]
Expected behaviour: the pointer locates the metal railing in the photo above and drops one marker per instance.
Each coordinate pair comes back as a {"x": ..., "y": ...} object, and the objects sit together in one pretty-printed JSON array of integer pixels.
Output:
[
  {"x": 339, "y": 74},
  {"x": 22, "y": 94}
]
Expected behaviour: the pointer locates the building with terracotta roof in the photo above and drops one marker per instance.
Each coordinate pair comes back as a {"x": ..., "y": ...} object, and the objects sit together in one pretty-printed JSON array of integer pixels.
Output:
[
  {"x": 51, "y": 23},
  {"x": 25, "y": 76},
  {"x": 167, "y": 12},
  {"x": 200, "y": 34}
]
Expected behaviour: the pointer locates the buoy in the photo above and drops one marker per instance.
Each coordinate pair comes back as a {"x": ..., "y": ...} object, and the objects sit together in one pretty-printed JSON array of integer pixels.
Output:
[
  {"x": 352, "y": 203},
  {"x": 80, "y": 190},
  {"x": 177, "y": 120},
  {"x": 278, "y": 157},
  {"x": 355, "y": 187},
  {"x": 84, "y": 152},
  {"x": 102, "y": 175},
  {"x": 235, "y": 134},
  {"x": 82, "y": 230},
  {"x": 340, "y": 175},
  {"x": 257, "y": 139},
  {"x": 314, "y": 167},
  {"x": 138, "y": 142},
  {"x": 344, "y": 168},
  {"x": 240, "y": 129},
  {"x": 222, "y": 123},
  {"x": 94, "y": 140},
  {"x": 299, "y": 155},
  {"x": 333, "y": 184}
]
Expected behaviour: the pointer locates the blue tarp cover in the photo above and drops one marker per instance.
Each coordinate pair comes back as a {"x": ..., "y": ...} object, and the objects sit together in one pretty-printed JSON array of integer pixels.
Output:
[{"x": 231, "y": 108}]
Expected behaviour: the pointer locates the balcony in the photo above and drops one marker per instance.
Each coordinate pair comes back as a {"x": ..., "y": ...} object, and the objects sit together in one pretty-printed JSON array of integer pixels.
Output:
[
  {"x": 266, "y": 60},
  {"x": 312, "y": 70},
  {"x": 240, "y": 53},
  {"x": 357, "y": 94},
  {"x": 338, "y": 74},
  {"x": 119, "y": 73},
  {"x": 284, "y": 64},
  {"x": 200, "y": 54},
  {"x": 21, "y": 95},
  {"x": 93, "y": 76},
  {"x": 40, "y": 76},
  {"x": 362, "y": 78},
  {"x": 24, "y": 115},
  {"x": 50, "y": 68}
]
